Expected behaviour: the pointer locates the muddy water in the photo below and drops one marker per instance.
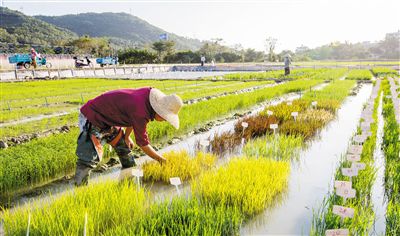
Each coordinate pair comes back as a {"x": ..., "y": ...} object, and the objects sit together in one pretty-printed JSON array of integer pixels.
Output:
[
  {"x": 309, "y": 178},
  {"x": 378, "y": 189}
]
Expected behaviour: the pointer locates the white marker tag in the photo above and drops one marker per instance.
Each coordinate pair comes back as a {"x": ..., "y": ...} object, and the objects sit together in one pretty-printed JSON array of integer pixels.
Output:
[
  {"x": 353, "y": 158},
  {"x": 343, "y": 211},
  {"x": 368, "y": 133},
  {"x": 273, "y": 126},
  {"x": 359, "y": 138},
  {"x": 245, "y": 124},
  {"x": 295, "y": 113},
  {"x": 137, "y": 172},
  {"x": 349, "y": 172},
  {"x": 355, "y": 149},
  {"x": 314, "y": 103},
  {"x": 343, "y": 184},
  {"x": 270, "y": 113},
  {"x": 337, "y": 232},
  {"x": 175, "y": 181},
  {"x": 289, "y": 103},
  {"x": 346, "y": 193},
  {"x": 204, "y": 143},
  {"x": 358, "y": 166},
  {"x": 388, "y": 96}
]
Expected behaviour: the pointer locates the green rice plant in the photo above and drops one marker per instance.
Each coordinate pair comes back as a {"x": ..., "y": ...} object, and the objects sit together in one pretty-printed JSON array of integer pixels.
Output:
[
  {"x": 363, "y": 219},
  {"x": 359, "y": 74},
  {"x": 247, "y": 183},
  {"x": 107, "y": 205},
  {"x": 179, "y": 164},
  {"x": 57, "y": 152},
  {"x": 391, "y": 148},
  {"x": 184, "y": 217},
  {"x": 383, "y": 71},
  {"x": 279, "y": 147},
  {"x": 331, "y": 74},
  {"x": 393, "y": 218}
]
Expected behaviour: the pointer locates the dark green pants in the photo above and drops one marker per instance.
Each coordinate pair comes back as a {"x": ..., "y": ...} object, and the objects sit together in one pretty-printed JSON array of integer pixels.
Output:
[{"x": 90, "y": 148}]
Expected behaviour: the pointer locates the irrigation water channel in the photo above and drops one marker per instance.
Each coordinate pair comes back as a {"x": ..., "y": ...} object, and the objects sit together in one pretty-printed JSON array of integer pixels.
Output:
[{"x": 308, "y": 182}]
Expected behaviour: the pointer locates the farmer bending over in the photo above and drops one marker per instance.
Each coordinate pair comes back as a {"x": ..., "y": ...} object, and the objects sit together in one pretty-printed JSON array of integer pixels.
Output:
[{"x": 101, "y": 119}]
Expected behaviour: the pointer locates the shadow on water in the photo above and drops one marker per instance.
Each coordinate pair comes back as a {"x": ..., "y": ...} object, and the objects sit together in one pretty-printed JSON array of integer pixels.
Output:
[{"x": 310, "y": 176}]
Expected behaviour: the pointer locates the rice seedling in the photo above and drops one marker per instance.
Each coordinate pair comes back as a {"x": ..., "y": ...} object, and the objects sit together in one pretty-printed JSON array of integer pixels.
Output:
[
  {"x": 283, "y": 111},
  {"x": 45, "y": 159},
  {"x": 279, "y": 147},
  {"x": 383, "y": 71},
  {"x": 391, "y": 148},
  {"x": 179, "y": 164},
  {"x": 359, "y": 74},
  {"x": 184, "y": 217},
  {"x": 226, "y": 141},
  {"x": 364, "y": 215},
  {"x": 247, "y": 183},
  {"x": 318, "y": 115},
  {"x": 107, "y": 205},
  {"x": 306, "y": 129},
  {"x": 258, "y": 126}
]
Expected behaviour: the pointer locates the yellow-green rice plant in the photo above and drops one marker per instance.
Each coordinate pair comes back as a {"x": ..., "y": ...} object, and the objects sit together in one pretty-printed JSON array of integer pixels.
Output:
[
  {"x": 107, "y": 205},
  {"x": 393, "y": 218},
  {"x": 359, "y": 74},
  {"x": 383, "y": 71},
  {"x": 283, "y": 111},
  {"x": 306, "y": 129},
  {"x": 248, "y": 183},
  {"x": 280, "y": 147},
  {"x": 179, "y": 164},
  {"x": 318, "y": 115}
]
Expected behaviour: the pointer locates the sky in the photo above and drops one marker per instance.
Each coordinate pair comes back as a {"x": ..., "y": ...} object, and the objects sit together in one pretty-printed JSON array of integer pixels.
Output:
[{"x": 293, "y": 22}]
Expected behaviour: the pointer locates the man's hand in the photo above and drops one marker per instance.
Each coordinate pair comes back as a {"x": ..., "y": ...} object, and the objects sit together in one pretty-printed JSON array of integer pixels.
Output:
[
  {"x": 129, "y": 142},
  {"x": 153, "y": 154}
]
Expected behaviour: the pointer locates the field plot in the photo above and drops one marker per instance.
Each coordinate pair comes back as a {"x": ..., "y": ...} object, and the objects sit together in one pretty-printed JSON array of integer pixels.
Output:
[{"x": 250, "y": 154}]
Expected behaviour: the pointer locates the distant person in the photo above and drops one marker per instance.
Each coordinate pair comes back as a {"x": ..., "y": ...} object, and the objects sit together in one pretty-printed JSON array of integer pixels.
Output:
[
  {"x": 212, "y": 62},
  {"x": 203, "y": 60},
  {"x": 102, "y": 119},
  {"x": 33, "y": 57},
  {"x": 287, "y": 60}
]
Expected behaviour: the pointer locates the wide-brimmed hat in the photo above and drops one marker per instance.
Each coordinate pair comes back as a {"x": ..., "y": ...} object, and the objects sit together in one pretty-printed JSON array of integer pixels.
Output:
[{"x": 166, "y": 106}]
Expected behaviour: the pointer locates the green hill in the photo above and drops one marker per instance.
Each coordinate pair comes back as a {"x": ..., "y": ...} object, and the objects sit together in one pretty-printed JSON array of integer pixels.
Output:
[
  {"x": 15, "y": 27},
  {"x": 122, "y": 28}
]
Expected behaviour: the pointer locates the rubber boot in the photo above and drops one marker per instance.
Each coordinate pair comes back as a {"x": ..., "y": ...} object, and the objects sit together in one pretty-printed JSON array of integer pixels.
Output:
[
  {"x": 82, "y": 175},
  {"x": 127, "y": 160}
]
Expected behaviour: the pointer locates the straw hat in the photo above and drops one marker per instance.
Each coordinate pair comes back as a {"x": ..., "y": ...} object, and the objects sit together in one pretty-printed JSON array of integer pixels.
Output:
[{"x": 167, "y": 106}]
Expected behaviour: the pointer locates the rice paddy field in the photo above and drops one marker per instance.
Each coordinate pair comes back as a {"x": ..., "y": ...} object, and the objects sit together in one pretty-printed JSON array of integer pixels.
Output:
[{"x": 257, "y": 153}]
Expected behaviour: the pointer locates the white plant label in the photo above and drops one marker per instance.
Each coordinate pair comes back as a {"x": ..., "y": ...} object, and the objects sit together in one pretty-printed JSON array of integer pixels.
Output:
[
  {"x": 346, "y": 193},
  {"x": 349, "y": 172},
  {"x": 137, "y": 172},
  {"x": 289, "y": 103},
  {"x": 337, "y": 232},
  {"x": 245, "y": 124},
  {"x": 175, "y": 181},
  {"x": 388, "y": 96},
  {"x": 204, "y": 143},
  {"x": 273, "y": 126},
  {"x": 343, "y": 211},
  {"x": 295, "y": 113},
  {"x": 358, "y": 166},
  {"x": 355, "y": 149},
  {"x": 342, "y": 184},
  {"x": 314, "y": 103},
  {"x": 353, "y": 158},
  {"x": 359, "y": 138},
  {"x": 270, "y": 113}
]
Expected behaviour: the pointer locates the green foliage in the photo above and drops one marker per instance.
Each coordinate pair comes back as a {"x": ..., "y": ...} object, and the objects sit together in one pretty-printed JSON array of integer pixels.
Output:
[
  {"x": 94, "y": 46},
  {"x": 136, "y": 56},
  {"x": 383, "y": 71},
  {"x": 359, "y": 75}
]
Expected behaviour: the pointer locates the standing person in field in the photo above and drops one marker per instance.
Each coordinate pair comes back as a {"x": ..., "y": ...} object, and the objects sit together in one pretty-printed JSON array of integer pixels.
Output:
[
  {"x": 203, "y": 60},
  {"x": 33, "y": 57},
  {"x": 287, "y": 60},
  {"x": 101, "y": 121}
]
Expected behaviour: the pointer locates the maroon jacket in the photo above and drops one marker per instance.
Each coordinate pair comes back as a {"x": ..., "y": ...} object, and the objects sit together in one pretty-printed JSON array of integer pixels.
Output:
[{"x": 124, "y": 108}]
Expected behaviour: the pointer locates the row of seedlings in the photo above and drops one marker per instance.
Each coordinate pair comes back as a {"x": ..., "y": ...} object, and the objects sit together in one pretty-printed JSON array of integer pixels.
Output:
[{"x": 348, "y": 210}]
